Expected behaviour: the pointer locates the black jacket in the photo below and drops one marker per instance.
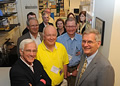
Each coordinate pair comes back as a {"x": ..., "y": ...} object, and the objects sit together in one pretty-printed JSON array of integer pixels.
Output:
[
  {"x": 41, "y": 26},
  {"x": 22, "y": 75}
]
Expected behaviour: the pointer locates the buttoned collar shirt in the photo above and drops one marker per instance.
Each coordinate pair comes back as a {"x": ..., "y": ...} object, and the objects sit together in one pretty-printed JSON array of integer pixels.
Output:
[
  {"x": 45, "y": 24},
  {"x": 37, "y": 39},
  {"x": 72, "y": 46},
  {"x": 90, "y": 58}
]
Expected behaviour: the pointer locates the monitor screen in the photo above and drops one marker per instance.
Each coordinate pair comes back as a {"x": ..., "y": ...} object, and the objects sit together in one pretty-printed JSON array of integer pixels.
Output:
[{"x": 76, "y": 10}]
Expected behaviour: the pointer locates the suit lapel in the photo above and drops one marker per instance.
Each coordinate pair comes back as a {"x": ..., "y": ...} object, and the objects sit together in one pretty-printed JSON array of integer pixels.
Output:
[
  {"x": 80, "y": 68},
  {"x": 28, "y": 35},
  {"x": 41, "y": 36},
  {"x": 89, "y": 69}
]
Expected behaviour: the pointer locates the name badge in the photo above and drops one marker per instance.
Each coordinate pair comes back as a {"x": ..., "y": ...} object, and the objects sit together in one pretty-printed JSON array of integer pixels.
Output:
[
  {"x": 55, "y": 69},
  {"x": 70, "y": 57}
]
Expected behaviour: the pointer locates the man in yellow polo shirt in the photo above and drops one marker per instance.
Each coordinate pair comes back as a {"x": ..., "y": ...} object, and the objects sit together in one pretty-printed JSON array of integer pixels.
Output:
[{"x": 53, "y": 56}]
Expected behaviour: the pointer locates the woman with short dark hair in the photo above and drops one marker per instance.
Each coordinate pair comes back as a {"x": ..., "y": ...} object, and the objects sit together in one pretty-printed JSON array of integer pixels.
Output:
[{"x": 60, "y": 27}]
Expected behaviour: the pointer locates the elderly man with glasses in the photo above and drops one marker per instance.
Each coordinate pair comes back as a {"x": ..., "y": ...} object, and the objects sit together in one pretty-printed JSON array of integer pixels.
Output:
[
  {"x": 48, "y": 11},
  {"x": 98, "y": 71},
  {"x": 72, "y": 42},
  {"x": 33, "y": 26},
  {"x": 27, "y": 71}
]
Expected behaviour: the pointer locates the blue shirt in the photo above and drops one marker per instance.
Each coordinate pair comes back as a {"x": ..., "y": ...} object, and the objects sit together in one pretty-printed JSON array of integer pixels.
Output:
[
  {"x": 90, "y": 58},
  {"x": 72, "y": 47}
]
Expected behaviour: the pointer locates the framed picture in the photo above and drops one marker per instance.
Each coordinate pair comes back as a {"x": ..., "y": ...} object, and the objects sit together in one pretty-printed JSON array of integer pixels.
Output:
[{"x": 100, "y": 26}]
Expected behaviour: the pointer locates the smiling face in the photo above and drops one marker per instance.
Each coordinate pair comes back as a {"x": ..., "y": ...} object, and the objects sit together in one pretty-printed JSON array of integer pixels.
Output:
[
  {"x": 60, "y": 25},
  {"x": 28, "y": 54},
  {"x": 71, "y": 28},
  {"x": 89, "y": 44},
  {"x": 50, "y": 36},
  {"x": 82, "y": 18},
  {"x": 33, "y": 26}
]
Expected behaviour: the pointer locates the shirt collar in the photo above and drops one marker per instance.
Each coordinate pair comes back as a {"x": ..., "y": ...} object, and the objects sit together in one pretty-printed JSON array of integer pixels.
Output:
[
  {"x": 46, "y": 47},
  {"x": 26, "y": 63},
  {"x": 75, "y": 37},
  {"x": 45, "y": 24},
  {"x": 38, "y": 35},
  {"x": 90, "y": 58}
]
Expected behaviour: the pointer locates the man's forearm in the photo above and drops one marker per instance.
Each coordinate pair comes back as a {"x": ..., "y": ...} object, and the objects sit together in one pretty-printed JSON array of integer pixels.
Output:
[{"x": 65, "y": 71}]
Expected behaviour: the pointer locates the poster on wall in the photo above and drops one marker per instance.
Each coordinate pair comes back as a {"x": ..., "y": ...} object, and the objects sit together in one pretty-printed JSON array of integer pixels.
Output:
[{"x": 100, "y": 26}]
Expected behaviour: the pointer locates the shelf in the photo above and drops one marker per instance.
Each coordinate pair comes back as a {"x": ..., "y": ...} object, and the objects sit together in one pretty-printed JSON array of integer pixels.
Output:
[
  {"x": 7, "y": 1},
  {"x": 12, "y": 26},
  {"x": 7, "y": 15}
]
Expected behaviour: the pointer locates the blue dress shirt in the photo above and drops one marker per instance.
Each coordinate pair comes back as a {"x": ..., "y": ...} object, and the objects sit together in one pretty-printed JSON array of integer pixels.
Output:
[
  {"x": 90, "y": 58},
  {"x": 72, "y": 47}
]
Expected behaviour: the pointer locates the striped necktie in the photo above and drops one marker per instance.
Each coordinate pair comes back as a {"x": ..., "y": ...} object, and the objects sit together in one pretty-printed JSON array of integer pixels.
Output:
[{"x": 82, "y": 70}]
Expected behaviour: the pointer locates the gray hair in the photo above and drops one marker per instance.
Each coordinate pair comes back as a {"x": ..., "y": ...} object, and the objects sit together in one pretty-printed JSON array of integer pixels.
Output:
[
  {"x": 70, "y": 19},
  {"x": 28, "y": 20},
  {"x": 43, "y": 14},
  {"x": 94, "y": 31},
  {"x": 24, "y": 42}
]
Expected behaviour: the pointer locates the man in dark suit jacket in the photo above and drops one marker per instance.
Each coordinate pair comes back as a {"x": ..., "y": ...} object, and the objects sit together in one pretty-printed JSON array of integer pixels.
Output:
[
  {"x": 27, "y": 71},
  {"x": 45, "y": 22},
  {"x": 33, "y": 26},
  {"x": 99, "y": 71}
]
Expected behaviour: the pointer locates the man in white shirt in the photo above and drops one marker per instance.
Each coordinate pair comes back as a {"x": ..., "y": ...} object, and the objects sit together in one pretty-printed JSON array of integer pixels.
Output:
[{"x": 33, "y": 26}]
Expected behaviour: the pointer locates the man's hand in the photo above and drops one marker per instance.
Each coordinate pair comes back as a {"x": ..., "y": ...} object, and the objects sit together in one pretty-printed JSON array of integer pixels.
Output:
[
  {"x": 77, "y": 53},
  {"x": 74, "y": 73},
  {"x": 68, "y": 74},
  {"x": 43, "y": 81},
  {"x": 30, "y": 84}
]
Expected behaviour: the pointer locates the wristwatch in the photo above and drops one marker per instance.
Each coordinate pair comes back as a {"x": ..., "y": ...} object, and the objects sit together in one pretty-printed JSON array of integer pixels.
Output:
[{"x": 70, "y": 73}]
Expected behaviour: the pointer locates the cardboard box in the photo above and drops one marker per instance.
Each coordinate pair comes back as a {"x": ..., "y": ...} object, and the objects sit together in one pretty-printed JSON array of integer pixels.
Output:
[{"x": 53, "y": 6}]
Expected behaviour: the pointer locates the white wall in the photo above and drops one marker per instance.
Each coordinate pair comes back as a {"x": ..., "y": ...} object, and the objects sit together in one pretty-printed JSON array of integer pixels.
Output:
[
  {"x": 114, "y": 53},
  {"x": 66, "y": 6},
  {"x": 108, "y": 10},
  {"x": 104, "y": 9},
  {"x": 74, "y": 4}
]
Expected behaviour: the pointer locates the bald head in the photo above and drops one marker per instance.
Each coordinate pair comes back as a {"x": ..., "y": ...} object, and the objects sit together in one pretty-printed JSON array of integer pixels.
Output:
[
  {"x": 49, "y": 29},
  {"x": 49, "y": 36}
]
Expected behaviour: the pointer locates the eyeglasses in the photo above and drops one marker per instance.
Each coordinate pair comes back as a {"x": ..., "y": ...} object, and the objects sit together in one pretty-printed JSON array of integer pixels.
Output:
[
  {"x": 88, "y": 42},
  {"x": 70, "y": 26},
  {"x": 33, "y": 26},
  {"x": 29, "y": 51}
]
